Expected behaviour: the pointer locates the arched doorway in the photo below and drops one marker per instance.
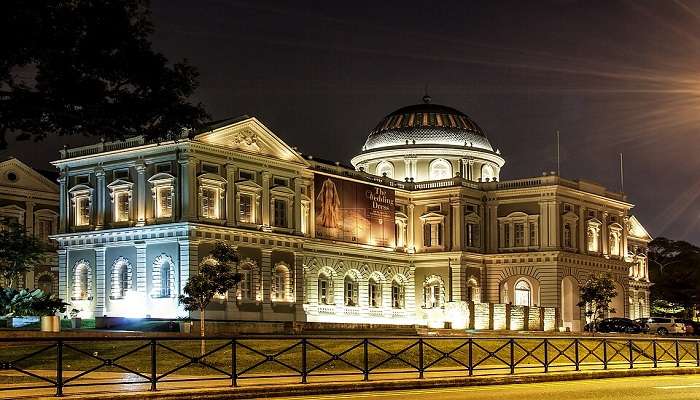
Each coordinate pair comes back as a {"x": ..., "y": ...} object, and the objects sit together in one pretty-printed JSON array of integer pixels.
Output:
[{"x": 570, "y": 312}]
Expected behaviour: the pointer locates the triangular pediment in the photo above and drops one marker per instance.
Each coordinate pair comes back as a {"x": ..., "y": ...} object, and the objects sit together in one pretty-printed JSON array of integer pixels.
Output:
[
  {"x": 16, "y": 174},
  {"x": 637, "y": 231},
  {"x": 252, "y": 137}
]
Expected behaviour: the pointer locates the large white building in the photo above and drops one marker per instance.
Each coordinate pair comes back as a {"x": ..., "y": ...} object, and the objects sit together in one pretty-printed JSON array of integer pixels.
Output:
[{"x": 421, "y": 225}]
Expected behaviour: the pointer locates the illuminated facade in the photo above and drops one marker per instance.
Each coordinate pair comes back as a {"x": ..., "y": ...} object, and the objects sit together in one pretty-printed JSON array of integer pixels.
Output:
[
  {"x": 30, "y": 199},
  {"x": 419, "y": 228}
]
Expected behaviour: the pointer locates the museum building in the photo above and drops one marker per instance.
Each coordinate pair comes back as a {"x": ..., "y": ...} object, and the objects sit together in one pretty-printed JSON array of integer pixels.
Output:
[{"x": 420, "y": 231}]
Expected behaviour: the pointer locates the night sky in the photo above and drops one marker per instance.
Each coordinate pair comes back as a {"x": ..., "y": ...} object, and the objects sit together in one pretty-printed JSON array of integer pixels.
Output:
[{"x": 612, "y": 76}]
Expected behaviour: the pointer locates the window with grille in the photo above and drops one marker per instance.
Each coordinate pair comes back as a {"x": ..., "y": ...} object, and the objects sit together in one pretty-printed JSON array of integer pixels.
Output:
[
  {"x": 83, "y": 211},
  {"x": 280, "y": 213},
  {"x": 122, "y": 203},
  {"x": 165, "y": 202},
  {"x": 397, "y": 297},
  {"x": 245, "y": 208},
  {"x": 375, "y": 293},
  {"x": 165, "y": 280},
  {"x": 325, "y": 291},
  {"x": 519, "y": 235},
  {"x": 210, "y": 207},
  {"x": 351, "y": 292},
  {"x": 245, "y": 285}
]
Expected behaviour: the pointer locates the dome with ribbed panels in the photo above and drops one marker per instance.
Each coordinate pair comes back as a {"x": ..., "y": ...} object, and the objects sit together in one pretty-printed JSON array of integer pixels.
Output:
[{"x": 427, "y": 125}]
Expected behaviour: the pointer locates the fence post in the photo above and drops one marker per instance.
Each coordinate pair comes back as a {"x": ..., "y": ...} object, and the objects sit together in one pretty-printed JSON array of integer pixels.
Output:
[
  {"x": 678, "y": 357},
  {"x": 303, "y": 360},
  {"x": 470, "y": 362},
  {"x": 605, "y": 353},
  {"x": 653, "y": 346},
  {"x": 153, "y": 365},
  {"x": 577, "y": 361},
  {"x": 629, "y": 342},
  {"x": 697, "y": 353},
  {"x": 234, "y": 363},
  {"x": 421, "y": 362},
  {"x": 59, "y": 368},
  {"x": 365, "y": 365},
  {"x": 546, "y": 355},
  {"x": 512, "y": 356}
]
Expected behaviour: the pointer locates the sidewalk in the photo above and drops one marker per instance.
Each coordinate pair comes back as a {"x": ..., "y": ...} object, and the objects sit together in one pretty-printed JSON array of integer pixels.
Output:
[{"x": 183, "y": 386}]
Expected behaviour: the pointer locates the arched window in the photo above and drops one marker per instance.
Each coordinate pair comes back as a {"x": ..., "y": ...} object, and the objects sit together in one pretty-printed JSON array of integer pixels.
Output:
[
  {"x": 163, "y": 277},
  {"x": 375, "y": 292},
  {"x": 440, "y": 169},
  {"x": 433, "y": 296},
  {"x": 351, "y": 291},
  {"x": 325, "y": 288},
  {"x": 45, "y": 283},
  {"x": 121, "y": 278},
  {"x": 473, "y": 291},
  {"x": 280, "y": 283},
  {"x": 397, "y": 295},
  {"x": 82, "y": 281},
  {"x": 487, "y": 173},
  {"x": 385, "y": 168},
  {"x": 523, "y": 293}
]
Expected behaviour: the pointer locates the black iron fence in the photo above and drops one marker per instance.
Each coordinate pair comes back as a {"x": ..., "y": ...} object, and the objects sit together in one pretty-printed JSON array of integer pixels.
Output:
[{"x": 35, "y": 364}]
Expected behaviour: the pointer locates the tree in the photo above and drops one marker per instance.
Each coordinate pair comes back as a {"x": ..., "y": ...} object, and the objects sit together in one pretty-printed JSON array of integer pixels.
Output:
[
  {"x": 214, "y": 277},
  {"x": 596, "y": 295},
  {"x": 87, "y": 67},
  {"x": 674, "y": 267},
  {"x": 19, "y": 252}
]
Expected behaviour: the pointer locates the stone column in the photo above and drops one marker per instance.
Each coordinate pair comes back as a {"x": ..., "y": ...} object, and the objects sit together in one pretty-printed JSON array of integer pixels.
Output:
[
  {"x": 141, "y": 268},
  {"x": 62, "y": 203},
  {"x": 101, "y": 281},
  {"x": 625, "y": 222},
  {"x": 297, "y": 206},
  {"x": 299, "y": 282},
  {"x": 266, "y": 198},
  {"x": 604, "y": 233},
  {"x": 101, "y": 198},
  {"x": 29, "y": 216},
  {"x": 312, "y": 209},
  {"x": 582, "y": 243},
  {"x": 63, "y": 274},
  {"x": 265, "y": 280},
  {"x": 457, "y": 292},
  {"x": 140, "y": 194},
  {"x": 493, "y": 227},
  {"x": 189, "y": 259},
  {"x": 188, "y": 189},
  {"x": 457, "y": 225},
  {"x": 410, "y": 245},
  {"x": 231, "y": 212}
]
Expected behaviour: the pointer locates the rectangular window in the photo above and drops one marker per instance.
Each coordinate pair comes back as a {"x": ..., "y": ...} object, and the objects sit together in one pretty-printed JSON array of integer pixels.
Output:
[
  {"x": 210, "y": 168},
  {"x": 472, "y": 235},
  {"x": 122, "y": 203},
  {"x": 163, "y": 168},
  {"x": 246, "y": 284},
  {"x": 533, "y": 234},
  {"x": 436, "y": 234},
  {"x": 280, "y": 213},
  {"x": 323, "y": 291},
  {"x": 121, "y": 174},
  {"x": 245, "y": 209},
  {"x": 433, "y": 208},
  {"x": 396, "y": 296},
  {"x": 519, "y": 235},
  {"x": 82, "y": 205},
  {"x": 43, "y": 229},
  {"x": 277, "y": 181},
  {"x": 246, "y": 175},
  {"x": 506, "y": 235},
  {"x": 165, "y": 202},
  {"x": 82, "y": 179},
  {"x": 210, "y": 208}
]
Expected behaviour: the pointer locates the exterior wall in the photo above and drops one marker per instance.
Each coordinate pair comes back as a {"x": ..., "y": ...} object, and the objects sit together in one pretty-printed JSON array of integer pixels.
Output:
[{"x": 485, "y": 266}]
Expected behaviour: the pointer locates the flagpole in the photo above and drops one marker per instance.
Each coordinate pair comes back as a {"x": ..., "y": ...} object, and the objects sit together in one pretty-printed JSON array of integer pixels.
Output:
[
  {"x": 558, "y": 158},
  {"x": 622, "y": 175}
]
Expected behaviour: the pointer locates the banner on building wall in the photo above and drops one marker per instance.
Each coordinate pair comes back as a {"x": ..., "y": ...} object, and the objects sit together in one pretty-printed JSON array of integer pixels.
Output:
[{"x": 354, "y": 212}]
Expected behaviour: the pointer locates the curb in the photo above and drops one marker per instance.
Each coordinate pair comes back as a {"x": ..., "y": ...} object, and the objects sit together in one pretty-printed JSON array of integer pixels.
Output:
[{"x": 270, "y": 391}]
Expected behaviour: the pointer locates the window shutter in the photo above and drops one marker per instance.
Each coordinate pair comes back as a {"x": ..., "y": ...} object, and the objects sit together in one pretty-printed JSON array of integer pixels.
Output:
[{"x": 426, "y": 235}]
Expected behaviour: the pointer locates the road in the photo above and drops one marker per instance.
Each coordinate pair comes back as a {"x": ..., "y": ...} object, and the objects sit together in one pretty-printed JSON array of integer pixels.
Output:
[{"x": 675, "y": 387}]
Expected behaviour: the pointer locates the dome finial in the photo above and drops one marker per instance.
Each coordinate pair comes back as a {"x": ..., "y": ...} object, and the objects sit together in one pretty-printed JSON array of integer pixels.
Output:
[{"x": 426, "y": 98}]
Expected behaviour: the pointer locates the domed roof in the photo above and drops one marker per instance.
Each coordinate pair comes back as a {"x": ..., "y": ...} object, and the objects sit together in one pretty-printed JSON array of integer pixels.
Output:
[{"x": 427, "y": 124}]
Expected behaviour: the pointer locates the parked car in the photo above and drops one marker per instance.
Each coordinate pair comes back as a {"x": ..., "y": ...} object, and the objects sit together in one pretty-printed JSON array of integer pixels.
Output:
[
  {"x": 643, "y": 323},
  {"x": 664, "y": 326},
  {"x": 691, "y": 327},
  {"x": 617, "y": 324}
]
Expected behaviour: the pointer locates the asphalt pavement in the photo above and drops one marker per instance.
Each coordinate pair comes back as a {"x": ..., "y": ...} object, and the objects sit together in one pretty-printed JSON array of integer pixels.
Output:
[{"x": 674, "y": 387}]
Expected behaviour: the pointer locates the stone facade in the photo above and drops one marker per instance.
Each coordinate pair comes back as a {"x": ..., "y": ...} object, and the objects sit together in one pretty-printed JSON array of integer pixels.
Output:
[
  {"x": 137, "y": 219},
  {"x": 30, "y": 199}
]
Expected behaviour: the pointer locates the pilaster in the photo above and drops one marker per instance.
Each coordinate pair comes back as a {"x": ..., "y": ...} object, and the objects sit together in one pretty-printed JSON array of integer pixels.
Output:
[
  {"x": 101, "y": 195},
  {"x": 63, "y": 272},
  {"x": 492, "y": 216},
  {"x": 266, "y": 272},
  {"x": 100, "y": 280},
  {"x": 29, "y": 216},
  {"x": 141, "y": 267},
  {"x": 409, "y": 228},
  {"x": 62, "y": 203},
  {"x": 231, "y": 195},
  {"x": 582, "y": 245},
  {"x": 266, "y": 198},
  {"x": 604, "y": 233},
  {"x": 625, "y": 222},
  {"x": 297, "y": 206},
  {"x": 140, "y": 194},
  {"x": 457, "y": 225}
]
